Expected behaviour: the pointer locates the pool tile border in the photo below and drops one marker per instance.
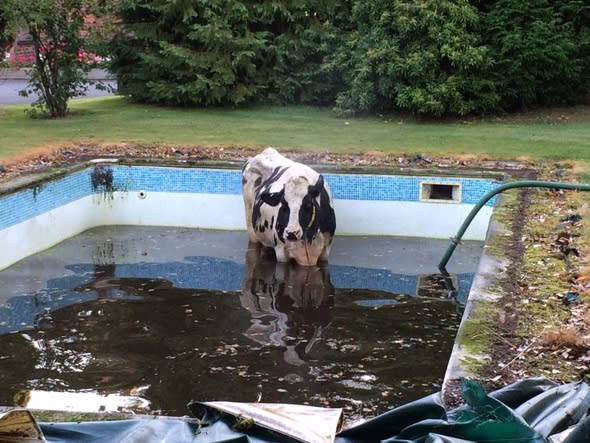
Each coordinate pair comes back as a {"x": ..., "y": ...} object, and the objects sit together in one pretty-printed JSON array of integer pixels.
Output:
[{"x": 104, "y": 178}]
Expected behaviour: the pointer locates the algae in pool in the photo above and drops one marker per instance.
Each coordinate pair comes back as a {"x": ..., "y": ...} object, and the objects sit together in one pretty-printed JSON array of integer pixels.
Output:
[{"x": 162, "y": 316}]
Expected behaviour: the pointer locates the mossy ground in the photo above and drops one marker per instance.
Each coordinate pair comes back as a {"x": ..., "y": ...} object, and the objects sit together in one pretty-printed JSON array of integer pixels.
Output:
[{"x": 540, "y": 326}]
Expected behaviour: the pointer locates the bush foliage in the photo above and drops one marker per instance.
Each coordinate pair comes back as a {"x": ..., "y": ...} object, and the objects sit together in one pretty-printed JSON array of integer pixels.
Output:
[
  {"x": 421, "y": 56},
  {"x": 5, "y": 36},
  {"x": 432, "y": 57}
]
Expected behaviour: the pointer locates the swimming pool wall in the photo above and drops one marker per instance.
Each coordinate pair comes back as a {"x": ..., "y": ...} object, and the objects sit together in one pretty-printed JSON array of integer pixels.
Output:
[{"x": 109, "y": 192}]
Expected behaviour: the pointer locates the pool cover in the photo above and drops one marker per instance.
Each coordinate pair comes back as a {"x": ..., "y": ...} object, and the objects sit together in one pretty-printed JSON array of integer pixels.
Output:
[{"x": 531, "y": 410}]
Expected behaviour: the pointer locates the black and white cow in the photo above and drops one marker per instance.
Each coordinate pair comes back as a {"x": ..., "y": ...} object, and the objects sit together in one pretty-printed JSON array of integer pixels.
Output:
[{"x": 288, "y": 207}]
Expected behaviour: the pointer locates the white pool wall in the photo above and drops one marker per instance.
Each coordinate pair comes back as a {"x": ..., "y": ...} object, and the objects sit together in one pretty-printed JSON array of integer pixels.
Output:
[{"x": 107, "y": 193}]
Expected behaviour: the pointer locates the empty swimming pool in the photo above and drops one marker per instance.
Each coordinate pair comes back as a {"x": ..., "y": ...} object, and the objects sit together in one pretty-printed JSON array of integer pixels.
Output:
[{"x": 155, "y": 317}]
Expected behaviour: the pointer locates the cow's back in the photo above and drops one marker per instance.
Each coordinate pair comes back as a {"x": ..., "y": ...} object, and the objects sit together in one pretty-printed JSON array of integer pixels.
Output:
[{"x": 270, "y": 170}]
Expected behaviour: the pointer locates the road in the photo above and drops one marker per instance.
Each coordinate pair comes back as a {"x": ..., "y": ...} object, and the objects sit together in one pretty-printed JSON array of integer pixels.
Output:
[{"x": 10, "y": 85}]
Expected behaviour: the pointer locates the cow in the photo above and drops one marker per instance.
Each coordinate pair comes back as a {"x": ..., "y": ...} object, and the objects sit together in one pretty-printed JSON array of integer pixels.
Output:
[{"x": 288, "y": 208}]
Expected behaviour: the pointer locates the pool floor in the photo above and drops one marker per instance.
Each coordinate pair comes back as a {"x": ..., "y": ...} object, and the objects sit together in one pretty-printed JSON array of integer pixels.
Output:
[{"x": 162, "y": 316}]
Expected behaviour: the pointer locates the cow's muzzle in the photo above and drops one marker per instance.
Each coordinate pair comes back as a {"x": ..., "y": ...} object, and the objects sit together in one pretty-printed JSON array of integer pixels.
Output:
[{"x": 291, "y": 236}]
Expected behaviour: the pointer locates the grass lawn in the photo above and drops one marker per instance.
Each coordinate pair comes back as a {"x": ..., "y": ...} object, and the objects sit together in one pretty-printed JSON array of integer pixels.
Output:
[{"x": 112, "y": 119}]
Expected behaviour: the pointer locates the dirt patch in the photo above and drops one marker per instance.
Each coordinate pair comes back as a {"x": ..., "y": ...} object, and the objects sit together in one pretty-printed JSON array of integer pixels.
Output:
[
  {"x": 503, "y": 342},
  {"x": 43, "y": 159}
]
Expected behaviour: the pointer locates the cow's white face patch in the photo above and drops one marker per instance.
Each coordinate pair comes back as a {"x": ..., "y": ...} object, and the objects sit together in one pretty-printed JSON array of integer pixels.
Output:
[{"x": 295, "y": 191}]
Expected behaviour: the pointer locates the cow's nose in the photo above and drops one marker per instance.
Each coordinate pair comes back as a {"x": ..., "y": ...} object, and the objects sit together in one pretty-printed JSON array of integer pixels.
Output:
[{"x": 291, "y": 235}]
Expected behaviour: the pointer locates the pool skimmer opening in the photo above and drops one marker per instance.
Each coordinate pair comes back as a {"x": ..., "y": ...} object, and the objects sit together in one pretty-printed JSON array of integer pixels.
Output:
[{"x": 440, "y": 192}]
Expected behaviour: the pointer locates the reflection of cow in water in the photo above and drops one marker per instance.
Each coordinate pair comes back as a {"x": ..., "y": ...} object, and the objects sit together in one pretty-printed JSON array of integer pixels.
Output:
[
  {"x": 290, "y": 305},
  {"x": 288, "y": 207}
]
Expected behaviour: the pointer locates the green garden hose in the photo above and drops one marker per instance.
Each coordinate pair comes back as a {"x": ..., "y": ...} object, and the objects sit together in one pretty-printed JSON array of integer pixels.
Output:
[{"x": 442, "y": 266}]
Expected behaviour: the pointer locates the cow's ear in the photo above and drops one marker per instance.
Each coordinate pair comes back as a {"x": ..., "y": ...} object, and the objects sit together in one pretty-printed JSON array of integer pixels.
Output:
[
  {"x": 315, "y": 190},
  {"x": 272, "y": 198}
]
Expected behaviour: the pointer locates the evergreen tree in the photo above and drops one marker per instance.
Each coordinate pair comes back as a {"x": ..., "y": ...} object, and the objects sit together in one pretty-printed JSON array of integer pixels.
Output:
[
  {"x": 189, "y": 52},
  {"x": 185, "y": 52},
  {"x": 300, "y": 34}
]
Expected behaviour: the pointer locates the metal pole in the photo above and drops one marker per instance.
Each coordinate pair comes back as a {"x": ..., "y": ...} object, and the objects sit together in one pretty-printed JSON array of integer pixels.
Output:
[{"x": 442, "y": 266}]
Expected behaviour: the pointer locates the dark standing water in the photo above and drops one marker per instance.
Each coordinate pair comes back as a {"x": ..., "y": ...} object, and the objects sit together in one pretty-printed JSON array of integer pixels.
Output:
[{"x": 172, "y": 315}]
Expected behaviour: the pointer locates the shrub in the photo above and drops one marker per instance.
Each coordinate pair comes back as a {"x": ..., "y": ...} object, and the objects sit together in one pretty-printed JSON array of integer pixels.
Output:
[{"x": 424, "y": 57}]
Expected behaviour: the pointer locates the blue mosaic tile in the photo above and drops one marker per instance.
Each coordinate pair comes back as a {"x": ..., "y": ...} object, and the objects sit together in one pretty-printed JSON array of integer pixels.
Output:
[
  {"x": 180, "y": 180},
  {"x": 23, "y": 205},
  {"x": 402, "y": 188}
]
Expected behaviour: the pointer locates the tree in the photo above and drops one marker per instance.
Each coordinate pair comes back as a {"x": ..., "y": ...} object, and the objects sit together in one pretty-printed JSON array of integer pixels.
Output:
[
  {"x": 5, "y": 36},
  {"x": 222, "y": 52},
  {"x": 185, "y": 52},
  {"x": 300, "y": 33},
  {"x": 540, "y": 48},
  {"x": 425, "y": 57},
  {"x": 61, "y": 56}
]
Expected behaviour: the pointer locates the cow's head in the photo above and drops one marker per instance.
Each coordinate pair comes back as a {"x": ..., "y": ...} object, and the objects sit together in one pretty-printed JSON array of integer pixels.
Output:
[{"x": 298, "y": 214}]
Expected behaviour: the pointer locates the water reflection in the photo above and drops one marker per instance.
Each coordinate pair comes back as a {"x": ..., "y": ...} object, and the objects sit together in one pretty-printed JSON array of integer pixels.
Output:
[
  {"x": 290, "y": 305},
  {"x": 195, "y": 327}
]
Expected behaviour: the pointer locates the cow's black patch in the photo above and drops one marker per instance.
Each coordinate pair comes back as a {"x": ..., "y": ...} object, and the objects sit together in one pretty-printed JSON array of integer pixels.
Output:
[
  {"x": 317, "y": 214},
  {"x": 282, "y": 219},
  {"x": 308, "y": 217},
  {"x": 327, "y": 217},
  {"x": 264, "y": 188},
  {"x": 272, "y": 198}
]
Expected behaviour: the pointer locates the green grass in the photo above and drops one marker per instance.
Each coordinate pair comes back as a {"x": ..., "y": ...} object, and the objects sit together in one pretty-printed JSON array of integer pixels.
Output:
[{"x": 114, "y": 120}]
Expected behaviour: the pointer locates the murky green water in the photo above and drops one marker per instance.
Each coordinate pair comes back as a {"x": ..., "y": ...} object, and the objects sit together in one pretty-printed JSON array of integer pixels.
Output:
[{"x": 166, "y": 316}]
